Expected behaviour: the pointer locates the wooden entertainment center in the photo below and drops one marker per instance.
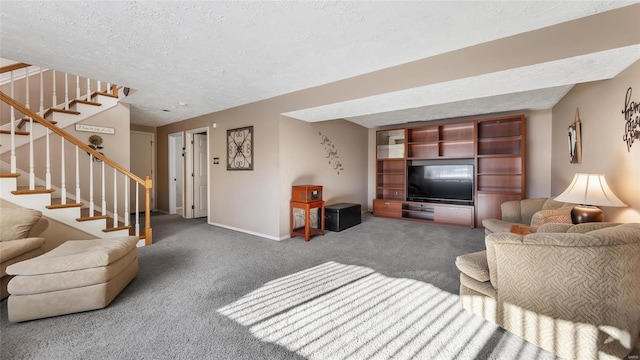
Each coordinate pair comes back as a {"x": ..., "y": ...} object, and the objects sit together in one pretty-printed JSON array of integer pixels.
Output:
[{"x": 494, "y": 146}]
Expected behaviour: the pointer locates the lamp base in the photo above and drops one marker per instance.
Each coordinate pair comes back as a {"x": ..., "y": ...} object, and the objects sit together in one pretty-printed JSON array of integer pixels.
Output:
[{"x": 584, "y": 214}]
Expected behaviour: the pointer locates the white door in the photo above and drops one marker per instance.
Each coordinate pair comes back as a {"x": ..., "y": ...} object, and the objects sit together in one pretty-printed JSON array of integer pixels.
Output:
[
  {"x": 141, "y": 165},
  {"x": 176, "y": 173},
  {"x": 199, "y": 175}
]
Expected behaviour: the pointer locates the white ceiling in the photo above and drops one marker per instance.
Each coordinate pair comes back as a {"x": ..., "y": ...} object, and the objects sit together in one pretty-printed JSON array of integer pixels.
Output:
[{"x": 216, "y": 55}]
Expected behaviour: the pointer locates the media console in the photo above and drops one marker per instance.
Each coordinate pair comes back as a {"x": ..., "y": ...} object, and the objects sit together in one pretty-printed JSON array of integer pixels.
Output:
[
  {"x": 492, "y": 147},
  {"x": 462, "y": 215}
]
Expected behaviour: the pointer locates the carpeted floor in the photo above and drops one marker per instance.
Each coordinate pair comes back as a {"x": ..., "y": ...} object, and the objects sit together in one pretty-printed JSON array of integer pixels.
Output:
[{"x": 385, "y": 289}]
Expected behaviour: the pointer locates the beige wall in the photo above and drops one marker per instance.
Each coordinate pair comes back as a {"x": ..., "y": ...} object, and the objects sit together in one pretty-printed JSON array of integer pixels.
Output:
[
  {"x": 603, "y": 149},
  {"x": 538, "y": 156},
  {"x": 242, "y": 200},
  {"x": 330, "y": 153}
]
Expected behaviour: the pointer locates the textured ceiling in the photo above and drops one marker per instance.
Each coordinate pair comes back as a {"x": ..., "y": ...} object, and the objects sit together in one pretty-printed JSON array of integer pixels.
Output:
[{"x": 216, "y": 55}]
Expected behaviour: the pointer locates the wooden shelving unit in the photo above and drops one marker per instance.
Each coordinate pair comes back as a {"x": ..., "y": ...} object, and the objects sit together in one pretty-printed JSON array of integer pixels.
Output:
[
  {"x": 494, "y": 145},
  {"x": 500, "y": 167},
  {"x": 456, "y": 140},
  {"x": 390, "y": 165}
]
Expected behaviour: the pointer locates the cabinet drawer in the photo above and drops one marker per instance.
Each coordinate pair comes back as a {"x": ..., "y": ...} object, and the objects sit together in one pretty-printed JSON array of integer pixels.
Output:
[
  {"x": 387, "y": 208},
  {"x": 454, "y": 215}
]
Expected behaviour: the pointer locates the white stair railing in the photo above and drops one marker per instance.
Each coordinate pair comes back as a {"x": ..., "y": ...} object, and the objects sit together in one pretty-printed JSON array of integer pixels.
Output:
[{"x": 32, "y": 117}]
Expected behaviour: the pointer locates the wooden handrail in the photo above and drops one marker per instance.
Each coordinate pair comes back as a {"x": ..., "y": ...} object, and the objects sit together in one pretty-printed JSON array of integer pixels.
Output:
[
  {"x": 4, "y": 97},
  {"x": 12, "y": 67}
]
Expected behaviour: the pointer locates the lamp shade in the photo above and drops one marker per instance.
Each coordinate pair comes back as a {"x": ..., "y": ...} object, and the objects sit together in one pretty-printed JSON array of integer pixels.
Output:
[{"x": 590, "y": 189}]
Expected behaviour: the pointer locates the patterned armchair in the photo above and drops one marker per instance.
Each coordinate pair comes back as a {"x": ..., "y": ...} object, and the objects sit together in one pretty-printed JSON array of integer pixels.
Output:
[
  {"x": 571, "y": 290},
  {"x": 529, "y": 212}
]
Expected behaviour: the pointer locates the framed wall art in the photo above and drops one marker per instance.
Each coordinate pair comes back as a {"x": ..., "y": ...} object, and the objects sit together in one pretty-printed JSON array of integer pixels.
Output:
[
  {"x": 575, "y": 140},
  {"x": 240, "y": 148}
]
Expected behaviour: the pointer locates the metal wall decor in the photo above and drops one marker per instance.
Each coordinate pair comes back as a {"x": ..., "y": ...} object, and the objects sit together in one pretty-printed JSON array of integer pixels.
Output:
[
  {"x": 240, "y": 148},
  {"x": 332, "y": 153},
  {"x": 631, "y": 114},
  {"x": 575, "y": 140}
]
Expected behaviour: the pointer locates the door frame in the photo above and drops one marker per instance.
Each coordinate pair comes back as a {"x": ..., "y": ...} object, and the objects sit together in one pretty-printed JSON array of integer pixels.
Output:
[
  {"x": 174, "y": 150},
  {"x": 154, "y": 193},
  {"x": 188, "y": 185}
]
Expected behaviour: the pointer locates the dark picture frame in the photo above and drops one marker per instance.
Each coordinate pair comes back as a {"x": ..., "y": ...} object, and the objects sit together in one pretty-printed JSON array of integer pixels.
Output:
[{"x": 240, "y": 148}]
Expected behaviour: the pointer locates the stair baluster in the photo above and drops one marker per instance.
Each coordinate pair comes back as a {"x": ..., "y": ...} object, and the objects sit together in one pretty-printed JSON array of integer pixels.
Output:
[
  {"x": 91, "y": 205},
  {"x": 115, "y": 197},
  {"x": 88, "y": 89},
  {"x": 104, "y": 199},
  {"x": 137, "y": 225},
  {"x": 54, "y": 99},
  {"x": 66, "y": 91},
  {"x": 126, "y": 202},
  {"x": 78, "y": 195},
  {"x": 13, "y": 132},
  {"x": 77, "y": 87},
  {"x": 63, "y": 176}
]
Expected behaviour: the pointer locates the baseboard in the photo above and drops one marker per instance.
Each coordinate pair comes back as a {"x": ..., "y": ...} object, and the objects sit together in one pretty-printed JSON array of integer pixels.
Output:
[{"x": 248, "y": 232}]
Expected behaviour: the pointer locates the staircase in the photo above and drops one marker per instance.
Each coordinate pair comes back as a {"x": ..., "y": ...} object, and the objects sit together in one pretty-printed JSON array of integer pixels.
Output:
[{"x": 92, "y": 196}]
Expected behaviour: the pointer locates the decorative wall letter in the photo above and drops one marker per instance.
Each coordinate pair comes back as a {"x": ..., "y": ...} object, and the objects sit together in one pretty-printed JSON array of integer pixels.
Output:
[
  {"x": 332, "y": 153},
  {"x": 631, "y": 112}
]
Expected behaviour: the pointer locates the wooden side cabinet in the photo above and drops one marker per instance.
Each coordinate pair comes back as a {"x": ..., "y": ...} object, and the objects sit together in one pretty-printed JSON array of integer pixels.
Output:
[{"x": 307, "y": 231}]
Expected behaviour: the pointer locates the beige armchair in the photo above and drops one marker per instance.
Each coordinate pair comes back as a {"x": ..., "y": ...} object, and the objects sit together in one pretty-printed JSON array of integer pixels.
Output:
[
  {"x": 19, "y": 239},
  {"x": 529, "y": 212},
  {"x": 571, "y": 290}
]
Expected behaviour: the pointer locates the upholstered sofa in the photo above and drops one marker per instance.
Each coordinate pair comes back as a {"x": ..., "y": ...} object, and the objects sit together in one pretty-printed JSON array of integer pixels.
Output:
[
  {"x": 19, "y": 239},
  {"x": 529, "y": 212},
  {"x": 572, "y": 290}
]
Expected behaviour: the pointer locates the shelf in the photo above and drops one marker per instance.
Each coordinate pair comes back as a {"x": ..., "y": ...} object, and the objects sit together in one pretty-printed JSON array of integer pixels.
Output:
[
  {"x": 391, "y": 187},
  {"x": 390, "y": 144},
  {"x": 499, "y": 174},
  {"x": 391, "y": 151}
]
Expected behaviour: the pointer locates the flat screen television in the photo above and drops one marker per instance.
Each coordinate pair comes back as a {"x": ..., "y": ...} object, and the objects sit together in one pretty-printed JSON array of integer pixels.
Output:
[{"x": 444, "y": 183}]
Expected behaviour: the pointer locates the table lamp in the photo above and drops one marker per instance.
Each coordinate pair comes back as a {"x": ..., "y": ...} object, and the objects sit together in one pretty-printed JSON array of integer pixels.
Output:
[{"x": 589, "y": 191}]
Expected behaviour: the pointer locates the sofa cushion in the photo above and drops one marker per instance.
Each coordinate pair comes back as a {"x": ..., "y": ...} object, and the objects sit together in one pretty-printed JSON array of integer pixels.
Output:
[
  {"x": 528, "y": 207},
  {"x": 76, "y": 255},
  {"x": 561, "y": 215},
  {"x": 23, "y": 256},
  {"x": 17, "y": 222},
  {"x": 12, "y": 248},
  {"x": 37, "y": 284},
  {"x": 474, "y": 265}
]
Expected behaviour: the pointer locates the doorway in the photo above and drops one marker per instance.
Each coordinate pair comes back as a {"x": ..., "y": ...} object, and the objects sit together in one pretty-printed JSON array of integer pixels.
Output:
[
  {"x": 197, "y": 173},
  {"x": 176, "y": 173},
  {"x": 142, "y": 164}
]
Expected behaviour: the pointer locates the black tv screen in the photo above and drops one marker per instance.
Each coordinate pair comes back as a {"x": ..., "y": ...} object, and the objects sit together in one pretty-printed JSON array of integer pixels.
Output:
[{"x": 447, "y": 183}]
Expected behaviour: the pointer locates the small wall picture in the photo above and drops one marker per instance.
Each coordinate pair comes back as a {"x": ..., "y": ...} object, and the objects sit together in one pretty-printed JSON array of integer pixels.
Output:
[{"x": 575, "y": 140}]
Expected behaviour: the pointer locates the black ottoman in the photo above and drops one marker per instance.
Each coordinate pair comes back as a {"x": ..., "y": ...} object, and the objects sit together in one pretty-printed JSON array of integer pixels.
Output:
[{"x": 341, "y": 216}]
